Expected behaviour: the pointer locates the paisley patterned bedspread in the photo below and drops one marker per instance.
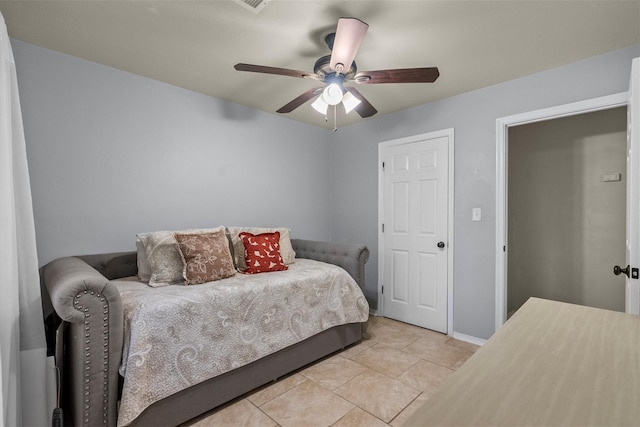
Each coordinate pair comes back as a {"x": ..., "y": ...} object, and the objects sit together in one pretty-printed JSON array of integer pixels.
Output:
[{"x": 177, "y": 336}]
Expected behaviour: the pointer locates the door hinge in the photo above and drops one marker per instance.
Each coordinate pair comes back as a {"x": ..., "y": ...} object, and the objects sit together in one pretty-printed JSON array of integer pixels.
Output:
[
  {"x": 383, "y": 166},
  {"x": 383, "y": 227},
  {"x": 383, "y": 290},
  {"x": 504, "y": 249}
]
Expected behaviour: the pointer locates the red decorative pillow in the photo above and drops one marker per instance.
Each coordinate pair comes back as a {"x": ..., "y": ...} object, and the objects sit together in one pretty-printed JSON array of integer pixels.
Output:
[{"x": 262, "y": 252}]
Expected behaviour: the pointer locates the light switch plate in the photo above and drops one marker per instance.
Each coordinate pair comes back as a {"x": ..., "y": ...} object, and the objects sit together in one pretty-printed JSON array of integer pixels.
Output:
[{"x": 476, "y": 214}]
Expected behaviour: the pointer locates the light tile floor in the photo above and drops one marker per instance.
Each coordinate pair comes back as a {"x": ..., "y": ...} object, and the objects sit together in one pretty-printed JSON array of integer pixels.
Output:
[{"x": 379, "y": 382}]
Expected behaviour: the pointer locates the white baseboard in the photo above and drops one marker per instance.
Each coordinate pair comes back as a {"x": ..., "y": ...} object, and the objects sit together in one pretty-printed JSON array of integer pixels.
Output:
[
  {"x": 469, "y": 338},
  {"x": 373, "y": 312}
]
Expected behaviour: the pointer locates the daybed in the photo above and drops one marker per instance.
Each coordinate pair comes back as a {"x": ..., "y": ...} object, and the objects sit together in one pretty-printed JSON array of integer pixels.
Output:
[{"x": 87, "y": 295}]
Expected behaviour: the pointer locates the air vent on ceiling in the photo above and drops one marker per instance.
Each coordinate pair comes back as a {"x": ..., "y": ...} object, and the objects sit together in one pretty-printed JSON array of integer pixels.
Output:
[{"x": 254, "y": 5}]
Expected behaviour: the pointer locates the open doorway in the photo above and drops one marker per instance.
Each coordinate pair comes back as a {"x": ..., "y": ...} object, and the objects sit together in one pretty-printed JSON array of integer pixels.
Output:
[
  {"x": 566, "y": 207},
  {"x": 502, "y": 136}
]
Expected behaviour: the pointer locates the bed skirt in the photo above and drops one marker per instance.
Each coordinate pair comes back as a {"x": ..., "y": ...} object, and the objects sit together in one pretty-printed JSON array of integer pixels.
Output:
[{"x": 200, "y": 398}]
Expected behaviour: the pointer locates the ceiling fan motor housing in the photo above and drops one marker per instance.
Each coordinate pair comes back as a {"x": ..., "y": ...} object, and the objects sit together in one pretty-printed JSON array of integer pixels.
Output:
[
  {"x": 323, "y": 69},
  {"x": 329, "y": 39}
]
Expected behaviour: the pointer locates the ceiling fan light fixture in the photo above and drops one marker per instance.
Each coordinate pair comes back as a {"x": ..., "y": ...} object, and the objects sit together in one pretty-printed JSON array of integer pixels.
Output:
[
  {"x": 320, "y": 105},
  {"x": 332, "y": 94},
  {"x": 350, "y": 102}
]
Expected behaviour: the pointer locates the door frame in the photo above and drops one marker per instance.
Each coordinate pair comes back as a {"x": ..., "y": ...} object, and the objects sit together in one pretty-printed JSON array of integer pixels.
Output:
[
  {"x": 449, "y": 133},
  {"x": 502, "y": 134}
]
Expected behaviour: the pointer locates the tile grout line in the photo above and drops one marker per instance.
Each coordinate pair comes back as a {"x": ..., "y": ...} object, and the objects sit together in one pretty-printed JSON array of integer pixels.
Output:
[
  {"x": 410, "y": 403},
  {"x": 267, "y": 415}
]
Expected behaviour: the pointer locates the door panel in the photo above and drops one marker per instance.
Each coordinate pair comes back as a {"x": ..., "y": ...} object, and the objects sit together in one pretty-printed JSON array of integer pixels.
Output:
[
  {"x": 415, "y": 207},
  {"x": 400, "y": 277},
  {"x": 428, "y": 297},
  {"x": 428, "y": 203},
  {"x": 400, "y": 195}
]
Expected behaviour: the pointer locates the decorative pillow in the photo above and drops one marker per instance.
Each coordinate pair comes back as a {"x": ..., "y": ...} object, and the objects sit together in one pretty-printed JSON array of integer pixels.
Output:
[
  {"x": 163, "y": 256},
  {"x": 286, "y": 249},
  {"x": 262, "y": 252},
  {"x": 144, "y": 271},
  {"x": 206, "y": 256}
]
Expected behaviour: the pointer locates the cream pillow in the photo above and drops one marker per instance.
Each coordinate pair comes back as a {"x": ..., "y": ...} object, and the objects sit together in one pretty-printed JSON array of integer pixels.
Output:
[
  {"x": 144, "y": 271},
  {"x": 163, "y": 256},
  {"x": 286, "y": 249}
]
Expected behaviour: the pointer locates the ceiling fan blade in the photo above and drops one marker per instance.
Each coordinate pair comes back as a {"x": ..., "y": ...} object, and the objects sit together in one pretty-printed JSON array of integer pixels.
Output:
[
  {"x": 295, "y": 103},
  {"x": 404, "y": 75},
  {"x": 349, "y": 35},
  {"x": 364, "y": 109},
  {"x": 274, "y": 70}
]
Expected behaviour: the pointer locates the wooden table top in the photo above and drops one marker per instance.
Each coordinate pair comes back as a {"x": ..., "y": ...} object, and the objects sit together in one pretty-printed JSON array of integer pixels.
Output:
[{"x": 551, "y": 364}]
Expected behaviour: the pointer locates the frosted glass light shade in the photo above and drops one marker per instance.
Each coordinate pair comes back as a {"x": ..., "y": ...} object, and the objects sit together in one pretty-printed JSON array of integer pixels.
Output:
[
  {"x": 332, "y": 94},
  {"x": 350, "y": 102},
  {"x": 320, "y": 106}
]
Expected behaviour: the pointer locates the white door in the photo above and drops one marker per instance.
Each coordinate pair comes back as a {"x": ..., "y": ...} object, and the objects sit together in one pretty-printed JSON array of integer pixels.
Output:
[
  {"x": 633, "y": 191},
  {"x": 415, "y": 217}
]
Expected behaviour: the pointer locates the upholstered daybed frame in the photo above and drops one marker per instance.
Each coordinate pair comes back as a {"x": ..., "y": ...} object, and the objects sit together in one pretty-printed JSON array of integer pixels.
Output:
[{"x": 92, "y": 332}]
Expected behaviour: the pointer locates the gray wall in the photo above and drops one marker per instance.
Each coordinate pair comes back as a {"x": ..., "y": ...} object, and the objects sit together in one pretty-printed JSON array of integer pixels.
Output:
[
  {"x": 354, "y": 154},
  {"x": 112, "y": 154},
  {"x": 566, "y": 226}
]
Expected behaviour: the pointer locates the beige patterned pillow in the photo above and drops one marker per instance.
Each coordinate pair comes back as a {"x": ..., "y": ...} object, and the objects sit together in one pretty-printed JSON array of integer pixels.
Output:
[
  {"x": 206, "y": 256},
  {"x": 286, "y": 249},
  {"x": 163, "y": 256}
]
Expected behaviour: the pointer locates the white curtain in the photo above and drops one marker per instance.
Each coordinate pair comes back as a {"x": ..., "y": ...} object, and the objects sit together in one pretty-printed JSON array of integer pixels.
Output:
[{"x": 23, "y": 362}]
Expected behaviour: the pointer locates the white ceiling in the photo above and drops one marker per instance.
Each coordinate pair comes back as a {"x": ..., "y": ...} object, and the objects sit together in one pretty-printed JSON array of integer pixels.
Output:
[{"x": 194, "y": 44}]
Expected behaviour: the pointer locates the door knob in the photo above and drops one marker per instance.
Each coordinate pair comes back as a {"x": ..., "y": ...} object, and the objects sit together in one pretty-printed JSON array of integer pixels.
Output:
[
  {"x": 617, "y": 270},
  {"x": 441, "y": 245}
]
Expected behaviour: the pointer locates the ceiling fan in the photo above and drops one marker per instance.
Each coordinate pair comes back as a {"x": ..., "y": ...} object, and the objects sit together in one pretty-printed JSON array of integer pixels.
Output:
[{"x": 339, "y": 68}]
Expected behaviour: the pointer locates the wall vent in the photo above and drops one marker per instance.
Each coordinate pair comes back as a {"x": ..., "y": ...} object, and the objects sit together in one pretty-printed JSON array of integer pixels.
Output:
[{"x": 253, "y": 5}]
